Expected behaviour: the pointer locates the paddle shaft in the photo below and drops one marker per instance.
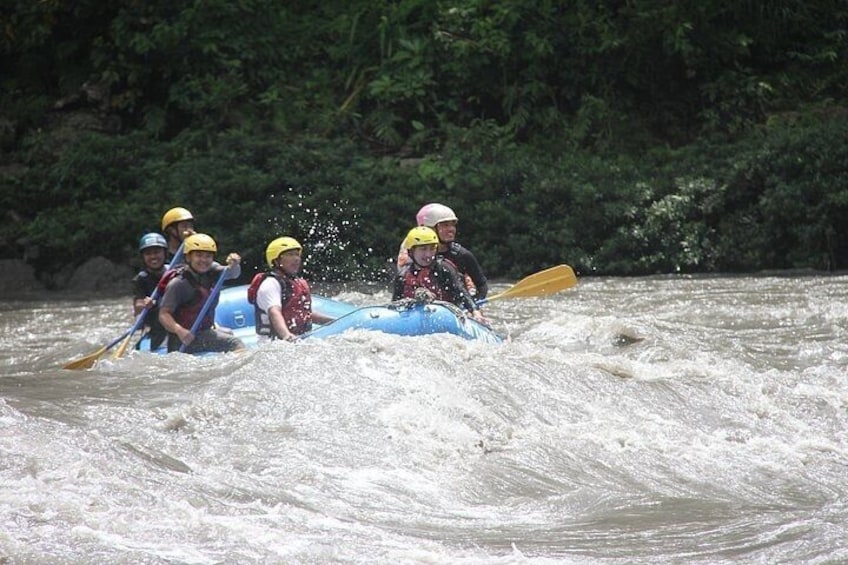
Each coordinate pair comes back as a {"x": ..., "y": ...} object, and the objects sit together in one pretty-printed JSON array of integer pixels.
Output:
[
  {"x": 139, "y": 320},
  {"x": 117, "y": 340},
  {"x": 206, "y": 306},
  {"x": 88, "y": 361}
]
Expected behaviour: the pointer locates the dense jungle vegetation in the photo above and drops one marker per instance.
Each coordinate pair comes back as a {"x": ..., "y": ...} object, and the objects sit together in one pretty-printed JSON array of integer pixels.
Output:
[{"x": 620, "y": 136}]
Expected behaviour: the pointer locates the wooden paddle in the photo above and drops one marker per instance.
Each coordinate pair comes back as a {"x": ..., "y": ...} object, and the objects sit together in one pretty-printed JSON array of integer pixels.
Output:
[
  {"x": 89, "y": 360},
  {"x": 206, "y": 305},
  {"x": 542, "y": 283}
]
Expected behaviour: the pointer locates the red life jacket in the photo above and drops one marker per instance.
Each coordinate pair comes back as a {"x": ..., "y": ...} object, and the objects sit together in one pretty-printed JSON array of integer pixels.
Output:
[
  {"x": 404, "y": 259},
  {"x": 187, "y": 312},
  {"x": 166, "y": 278},
  {"x": 296, "y": 309},
  {"x": 415, "y": 276},
  {"x": 253, "y": 288}
]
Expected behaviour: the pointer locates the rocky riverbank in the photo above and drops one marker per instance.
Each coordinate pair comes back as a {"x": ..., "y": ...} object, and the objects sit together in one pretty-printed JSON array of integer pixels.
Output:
[{"x": 97, "y": 275}]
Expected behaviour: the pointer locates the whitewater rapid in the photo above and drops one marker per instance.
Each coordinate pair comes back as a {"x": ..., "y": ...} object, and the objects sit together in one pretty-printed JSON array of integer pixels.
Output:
[{"x": 643, "y": 420}]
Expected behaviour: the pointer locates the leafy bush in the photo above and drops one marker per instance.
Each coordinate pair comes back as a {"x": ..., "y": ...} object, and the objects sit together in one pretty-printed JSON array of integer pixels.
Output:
[{"x": 621, "y": 138}]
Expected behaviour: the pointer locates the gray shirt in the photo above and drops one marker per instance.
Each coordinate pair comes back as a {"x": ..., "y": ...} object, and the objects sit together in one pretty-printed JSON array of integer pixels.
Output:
[{"x": 180, "y": 291}]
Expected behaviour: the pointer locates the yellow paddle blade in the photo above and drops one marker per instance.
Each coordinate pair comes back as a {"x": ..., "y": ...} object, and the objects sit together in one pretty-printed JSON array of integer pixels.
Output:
[
  {"x": 122, "y": 348},
  {"x": 542, "y": 283},
  {"x": 88, "y": 361}
]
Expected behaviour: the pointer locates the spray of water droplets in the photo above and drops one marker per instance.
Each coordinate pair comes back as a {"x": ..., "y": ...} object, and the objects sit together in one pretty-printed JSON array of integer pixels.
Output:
[{"x": 332, "y": 249}]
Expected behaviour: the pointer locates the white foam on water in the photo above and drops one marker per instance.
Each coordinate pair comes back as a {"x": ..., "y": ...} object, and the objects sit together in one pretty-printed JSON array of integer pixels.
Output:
[{"x": 632, "y": 420}]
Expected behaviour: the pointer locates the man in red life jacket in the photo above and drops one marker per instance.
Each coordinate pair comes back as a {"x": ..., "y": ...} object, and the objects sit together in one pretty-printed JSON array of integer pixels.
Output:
[
  {"x": 186, "y": 293},
  {"x": 437, "y": 275},
  {"x": 443, "y": 220},
  {"x": 282, "y": 299},
  {"x": 177, "y": 224}
]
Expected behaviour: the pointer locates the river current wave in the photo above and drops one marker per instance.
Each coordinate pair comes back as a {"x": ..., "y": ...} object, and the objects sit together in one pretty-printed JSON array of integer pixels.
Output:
[{"x": 644, "y": 420}]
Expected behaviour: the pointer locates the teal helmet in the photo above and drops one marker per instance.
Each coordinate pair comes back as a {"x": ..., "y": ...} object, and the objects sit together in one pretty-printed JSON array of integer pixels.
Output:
[{"x": 152, "y": 240}]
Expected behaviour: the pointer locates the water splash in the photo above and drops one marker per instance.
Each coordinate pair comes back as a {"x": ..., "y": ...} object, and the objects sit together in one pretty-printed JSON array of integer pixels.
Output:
[{"x": 333, "y": 250}]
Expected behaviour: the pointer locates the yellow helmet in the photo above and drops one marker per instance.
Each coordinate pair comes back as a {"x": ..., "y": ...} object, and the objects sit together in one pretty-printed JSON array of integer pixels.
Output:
[
  {"x": 421, "y": 235},
  {"x": 175, "y": 215},
  {"x": 199, "y": 242},
  {"x": 280, "y": 246}
]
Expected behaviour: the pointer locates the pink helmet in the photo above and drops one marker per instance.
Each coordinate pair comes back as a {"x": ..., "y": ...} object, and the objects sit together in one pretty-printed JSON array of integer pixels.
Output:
[{"x": 432, "y": 214}]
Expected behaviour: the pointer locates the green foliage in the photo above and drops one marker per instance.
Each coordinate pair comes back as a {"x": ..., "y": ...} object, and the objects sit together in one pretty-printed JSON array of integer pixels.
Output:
[
  {"x": 400, "y": 74},
  {"x": 800, "y": 175},
  {"x": 772, "y": 201},
  {"x": 626, "y": 138}
]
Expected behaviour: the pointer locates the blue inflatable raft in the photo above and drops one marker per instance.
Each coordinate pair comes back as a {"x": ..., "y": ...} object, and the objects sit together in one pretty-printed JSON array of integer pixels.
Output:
[
  {"x": 409, "y": 318},
  {"x": 406, "y": 318}
]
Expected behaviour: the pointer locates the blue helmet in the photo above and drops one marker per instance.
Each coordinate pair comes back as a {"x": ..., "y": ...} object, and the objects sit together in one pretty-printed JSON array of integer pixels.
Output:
[{"x": 152, "y": 240}]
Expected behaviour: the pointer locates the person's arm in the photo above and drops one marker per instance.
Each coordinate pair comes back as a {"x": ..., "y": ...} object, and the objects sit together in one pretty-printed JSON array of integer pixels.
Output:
[
  {"x": 397, "y": 290},
  {"x": 140, "y": 298},
  {"x": 472, "y": 267},
  {"x": 451, "y": 281},
  {"x": 234, "y": 264},
  {"x": 270, "y": 299},
  {"x": 140, "y": 304},
  {"x": 166, "y": 318},
  {"x": 278, "y": 322},
  {"x": 233, "y": 267},
  {"x": 319, "y": 318},
  {"x": 468, "y": 265},
  {"x": 315, "y": 317}
]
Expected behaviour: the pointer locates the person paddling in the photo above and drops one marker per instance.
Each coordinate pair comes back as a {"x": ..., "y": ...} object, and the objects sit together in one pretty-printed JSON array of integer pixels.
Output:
[
  {"x": 152, "y": 247},
  {"x": 177, "y": 224},
  {"x": 282, "y": 299},
  {"x": 434, "y": 275},
  {"x": 186, "y": 291},
  {"x": 443, "y": 221}
]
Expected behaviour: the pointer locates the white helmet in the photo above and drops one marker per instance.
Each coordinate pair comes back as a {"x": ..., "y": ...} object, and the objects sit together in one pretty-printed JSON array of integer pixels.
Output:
[{"x": 432, "y": 214}]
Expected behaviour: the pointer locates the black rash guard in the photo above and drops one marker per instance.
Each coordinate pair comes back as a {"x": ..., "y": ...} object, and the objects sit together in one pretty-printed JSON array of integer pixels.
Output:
[{"x": 467, "y": 264}]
